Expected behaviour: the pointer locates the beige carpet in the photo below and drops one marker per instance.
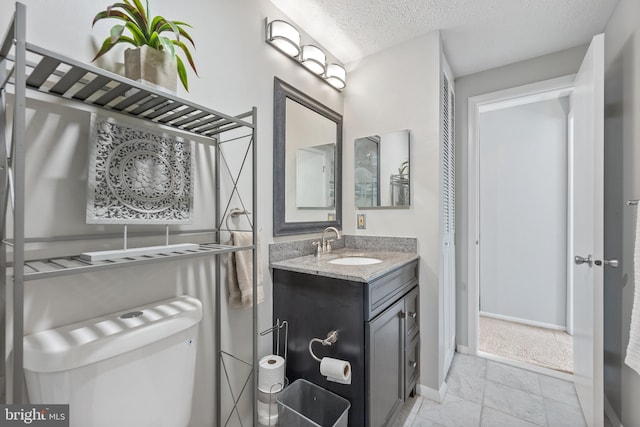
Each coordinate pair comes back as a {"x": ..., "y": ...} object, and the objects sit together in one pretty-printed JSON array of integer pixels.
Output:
[{"x": 529, "y": 344}]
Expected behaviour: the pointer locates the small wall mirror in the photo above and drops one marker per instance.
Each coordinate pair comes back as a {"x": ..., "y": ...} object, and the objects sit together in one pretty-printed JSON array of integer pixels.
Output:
[
  {"x": 307, "y": 163},
  {"x": 382, "y": 177}
]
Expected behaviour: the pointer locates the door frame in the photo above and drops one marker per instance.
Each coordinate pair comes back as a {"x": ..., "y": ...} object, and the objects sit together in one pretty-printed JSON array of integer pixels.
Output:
[{"x": 539, "y": 91}]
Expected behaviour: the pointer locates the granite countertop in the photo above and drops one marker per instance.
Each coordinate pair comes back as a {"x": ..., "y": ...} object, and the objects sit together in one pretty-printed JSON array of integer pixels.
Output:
[{"x": 310, "y": 264}]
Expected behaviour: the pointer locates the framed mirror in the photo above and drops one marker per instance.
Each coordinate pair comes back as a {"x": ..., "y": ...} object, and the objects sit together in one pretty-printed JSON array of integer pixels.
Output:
[
  {"x": 381, "y": 173},
  {"x": 307, "y": 163}
]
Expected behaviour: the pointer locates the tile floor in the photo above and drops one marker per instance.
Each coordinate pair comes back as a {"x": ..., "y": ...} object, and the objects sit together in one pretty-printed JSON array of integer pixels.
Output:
[{"x": 484, "y": 393}]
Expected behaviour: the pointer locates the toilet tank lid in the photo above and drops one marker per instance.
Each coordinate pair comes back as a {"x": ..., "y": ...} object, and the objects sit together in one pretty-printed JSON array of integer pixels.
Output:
[{"x": 90, "y": 341}]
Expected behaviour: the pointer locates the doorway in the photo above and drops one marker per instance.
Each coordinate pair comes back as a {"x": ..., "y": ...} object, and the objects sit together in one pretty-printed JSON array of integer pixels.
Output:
[
  {"x": 585, "y": 246},
  {"x": 523, "y": 309}
]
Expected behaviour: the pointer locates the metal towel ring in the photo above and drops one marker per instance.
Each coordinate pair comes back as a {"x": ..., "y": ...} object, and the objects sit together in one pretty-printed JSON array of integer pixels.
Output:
[{"x": 234, "y": 213}]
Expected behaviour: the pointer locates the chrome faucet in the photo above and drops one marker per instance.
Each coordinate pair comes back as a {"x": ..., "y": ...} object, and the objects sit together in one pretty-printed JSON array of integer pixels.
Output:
[{"x": 324, "y": 247}]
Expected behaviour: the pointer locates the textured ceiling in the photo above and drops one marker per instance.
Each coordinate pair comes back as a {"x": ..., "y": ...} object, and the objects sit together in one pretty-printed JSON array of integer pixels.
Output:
[{"x": 477, "y": 34}]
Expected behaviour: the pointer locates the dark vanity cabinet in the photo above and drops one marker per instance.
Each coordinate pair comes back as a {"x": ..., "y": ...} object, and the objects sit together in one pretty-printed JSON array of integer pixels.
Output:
[{"x": 378, "y": 333}]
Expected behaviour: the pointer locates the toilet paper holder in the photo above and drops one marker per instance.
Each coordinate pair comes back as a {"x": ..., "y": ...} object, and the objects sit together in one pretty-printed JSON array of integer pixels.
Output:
[
  {"x": 276, "y": 329},
  {"x": 332, "y": 337},
  {"x": 268, "y": 397},
  {"x": 335, "y": 370}
]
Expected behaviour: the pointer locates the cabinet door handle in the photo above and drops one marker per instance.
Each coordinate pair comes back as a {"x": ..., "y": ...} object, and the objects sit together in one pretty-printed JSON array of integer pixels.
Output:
[
  {"x": 413, "y": 364},
  {"x": 412, "y": 314}
]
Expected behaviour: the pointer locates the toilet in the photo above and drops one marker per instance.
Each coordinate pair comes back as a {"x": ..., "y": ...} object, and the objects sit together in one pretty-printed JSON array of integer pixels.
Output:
[{"x": 131, "y": 368}]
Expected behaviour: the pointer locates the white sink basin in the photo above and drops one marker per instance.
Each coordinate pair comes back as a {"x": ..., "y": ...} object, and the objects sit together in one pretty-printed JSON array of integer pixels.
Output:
[{"x": 355, "y": 260}]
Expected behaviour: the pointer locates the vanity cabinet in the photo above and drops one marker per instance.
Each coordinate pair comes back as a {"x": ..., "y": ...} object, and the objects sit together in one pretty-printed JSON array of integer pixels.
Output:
[{"x": 378, "y": 333}]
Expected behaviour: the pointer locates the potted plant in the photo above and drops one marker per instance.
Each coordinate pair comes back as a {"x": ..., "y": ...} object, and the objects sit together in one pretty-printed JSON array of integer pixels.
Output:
[
  {"x": 154, "y": 57},
  {"x": 404, "y": 168}
]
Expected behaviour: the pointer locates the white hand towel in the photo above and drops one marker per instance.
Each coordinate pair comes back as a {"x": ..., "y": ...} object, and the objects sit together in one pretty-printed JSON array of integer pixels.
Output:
[
  {"x": 633, "y": 349},
  {"x": 240, "y": 272}
]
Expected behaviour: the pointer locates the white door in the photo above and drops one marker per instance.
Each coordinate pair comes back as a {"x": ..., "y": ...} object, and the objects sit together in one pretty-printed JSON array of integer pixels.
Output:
[
  {"x": 311, "y": 170},
  {"x": 587, "y": 103}
]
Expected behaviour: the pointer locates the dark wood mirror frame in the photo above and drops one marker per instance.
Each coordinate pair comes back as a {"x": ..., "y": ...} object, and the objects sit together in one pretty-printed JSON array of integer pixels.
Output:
[{"x": 282, "y": 91}]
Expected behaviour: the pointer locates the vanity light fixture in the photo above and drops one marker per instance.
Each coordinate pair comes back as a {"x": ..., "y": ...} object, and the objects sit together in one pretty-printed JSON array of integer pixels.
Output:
[
  {"x": 314, "y": 59},
  {"x": 336, "y": 76},
  {"x": 286, "y": 38}
]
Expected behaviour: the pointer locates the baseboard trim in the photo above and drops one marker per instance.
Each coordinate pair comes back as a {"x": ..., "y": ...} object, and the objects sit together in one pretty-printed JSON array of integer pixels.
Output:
[
  {"x": 524, "y": 321},
  {"x": 432, "y": 394},
  {"x": 462, "y": 349},
  {"x": 611, "y": 414}
]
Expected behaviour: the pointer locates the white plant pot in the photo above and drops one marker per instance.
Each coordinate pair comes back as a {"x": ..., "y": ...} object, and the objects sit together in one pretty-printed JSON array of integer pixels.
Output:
[{"x": 152, "y": 67}]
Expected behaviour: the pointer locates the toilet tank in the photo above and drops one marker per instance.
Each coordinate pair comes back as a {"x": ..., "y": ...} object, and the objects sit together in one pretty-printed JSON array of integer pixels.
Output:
[{"x": 131, "y": 368}]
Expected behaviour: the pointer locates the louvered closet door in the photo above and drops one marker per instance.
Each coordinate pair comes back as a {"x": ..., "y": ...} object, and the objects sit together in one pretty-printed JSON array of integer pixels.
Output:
[{"x": 447, "y": 222}]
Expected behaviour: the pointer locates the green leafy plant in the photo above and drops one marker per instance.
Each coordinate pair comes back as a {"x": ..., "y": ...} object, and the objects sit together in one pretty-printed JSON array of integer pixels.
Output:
[
  {"x": 145, "y": 30},
  {"x": 404, "y": 168}
]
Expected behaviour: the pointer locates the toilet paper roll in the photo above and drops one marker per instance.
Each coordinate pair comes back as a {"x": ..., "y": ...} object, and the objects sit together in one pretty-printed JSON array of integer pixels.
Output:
[
  {"x": 267, "y": 409},
  {"x": 271, "y": 374},
  {"x": 336, "y": 370},
  {"x": 265, "y": 420}
]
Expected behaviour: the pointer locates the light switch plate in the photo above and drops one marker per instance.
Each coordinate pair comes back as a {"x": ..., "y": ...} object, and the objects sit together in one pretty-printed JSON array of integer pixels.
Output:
[{"x": 362, "y": 221}]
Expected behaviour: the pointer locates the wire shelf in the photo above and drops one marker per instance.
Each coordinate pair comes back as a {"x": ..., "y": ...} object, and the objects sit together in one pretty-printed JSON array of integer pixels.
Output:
[{"x": 54, "y": 267}]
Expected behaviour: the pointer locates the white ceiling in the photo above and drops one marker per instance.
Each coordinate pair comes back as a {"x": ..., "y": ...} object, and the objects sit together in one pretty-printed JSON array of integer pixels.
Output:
[{"x": 477, "y": 34}]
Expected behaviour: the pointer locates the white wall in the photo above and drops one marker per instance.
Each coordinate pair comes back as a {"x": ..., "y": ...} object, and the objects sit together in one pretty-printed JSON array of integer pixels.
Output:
[
  {"x": 622, "y": 182},
  {"x": 236, "y": 70},
  {"x": 523, "y": 211},
  {"x": 534, "y": 70},
  {"x": 399, "y": 89}
]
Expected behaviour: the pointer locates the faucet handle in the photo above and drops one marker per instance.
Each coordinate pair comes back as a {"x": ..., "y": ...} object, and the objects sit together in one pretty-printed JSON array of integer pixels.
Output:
[
  {"x": 318, "y": 248},
  {"x": 328, "y": 247}
]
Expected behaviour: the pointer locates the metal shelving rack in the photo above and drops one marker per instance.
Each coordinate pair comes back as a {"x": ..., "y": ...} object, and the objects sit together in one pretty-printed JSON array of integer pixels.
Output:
[{"x": 26, "y": 66}]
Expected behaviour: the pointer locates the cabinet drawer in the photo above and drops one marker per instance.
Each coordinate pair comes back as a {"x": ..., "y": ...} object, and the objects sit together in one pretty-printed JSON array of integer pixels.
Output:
[
  {"x": 384, "y": 291},
  {"x": 412, "y": 366},
  {"x": 412, "y": 312}
]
